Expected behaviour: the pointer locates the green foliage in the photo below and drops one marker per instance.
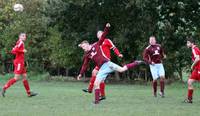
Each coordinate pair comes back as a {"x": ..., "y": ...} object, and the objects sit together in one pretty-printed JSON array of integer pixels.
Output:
[{"x": 56, "y": 27}]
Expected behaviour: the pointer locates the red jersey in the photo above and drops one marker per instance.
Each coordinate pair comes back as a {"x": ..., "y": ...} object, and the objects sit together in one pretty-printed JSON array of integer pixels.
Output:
[
  {"x": 18, "y": 50},
  {"x": 106, "y": 46},
  {"x": 195, "y": 52},
  {"x": 95, "y": 54},
  {"x": 153, "y": 53}
]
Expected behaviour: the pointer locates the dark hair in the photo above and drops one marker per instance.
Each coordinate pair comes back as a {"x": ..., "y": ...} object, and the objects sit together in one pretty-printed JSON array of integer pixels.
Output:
[{"x": 190, "y": 39}]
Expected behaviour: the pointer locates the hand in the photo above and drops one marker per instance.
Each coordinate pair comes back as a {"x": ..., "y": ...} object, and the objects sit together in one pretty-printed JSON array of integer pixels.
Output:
[
  {"x": 120, "y": 55},
  {"x": 152, "y": 63},
  {"x": 25, "y": 50},
  {"x": 79, "y": 77},
  {"x": 108, "y": 25},
  {"x": 165, "y": 56}
]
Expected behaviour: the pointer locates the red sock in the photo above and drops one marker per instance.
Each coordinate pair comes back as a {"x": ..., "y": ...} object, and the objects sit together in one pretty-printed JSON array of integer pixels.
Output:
[
  {"x": 97, "y": 92},
  {"x": 91, "y": 85},
  {"x": 102, "y": 89},
  {"x": 190, "y": 92},
  {"x": 132, "y": 65},
  {"x": 26, "y": 86},
  {"x": 9, "y": 83},
  {"x": 162, "y": 86},
  {"x": 155, "y": 87}
]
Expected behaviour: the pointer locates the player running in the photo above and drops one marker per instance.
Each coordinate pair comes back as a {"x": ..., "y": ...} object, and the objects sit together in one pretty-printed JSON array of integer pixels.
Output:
[
  {"x": 195, "y": 75},
  {"x": 153, "y": 55},
  {"x": 19, "y": 68},
  {"x": 106, "y": 46},
  {"x": 93, "y": 52}
]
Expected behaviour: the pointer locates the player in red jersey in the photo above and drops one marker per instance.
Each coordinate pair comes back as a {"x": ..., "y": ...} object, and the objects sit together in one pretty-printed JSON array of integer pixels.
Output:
[
  {"x": 195, "y": 75},
  {"x": 153, "y": 55},
  {"x": 93, "y": 52},
  {"x": 106, "y": 47},
  {"x": 19, "y": 68}
]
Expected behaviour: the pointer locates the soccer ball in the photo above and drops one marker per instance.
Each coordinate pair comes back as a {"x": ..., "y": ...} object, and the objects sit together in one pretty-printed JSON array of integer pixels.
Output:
[{"x": 18, "y": 8}]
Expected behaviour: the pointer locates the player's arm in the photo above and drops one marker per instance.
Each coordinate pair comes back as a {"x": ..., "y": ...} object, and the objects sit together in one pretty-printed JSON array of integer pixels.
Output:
[
  {"x": 196, "y": 53},
  {"x": 84, "y": 67},
  {"x": 115, "y": 49},
  {"x": 197, "y": 59},
  {"x": 17, "y": 50},
  {"x": 146, "y": 56},
  {"x": 103, "y": 36},
  {"x": 163, "y": 53}
]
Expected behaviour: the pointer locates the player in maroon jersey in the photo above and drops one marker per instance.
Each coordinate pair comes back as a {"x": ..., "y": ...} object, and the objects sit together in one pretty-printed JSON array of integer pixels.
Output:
[
  {"x": 19, "y": 68},
  {"x": 153, "y": 55},
  {"x": 106, "y": 47},
  {"x": 195, "y": 75},
  {"x": 93, "y": 52}
]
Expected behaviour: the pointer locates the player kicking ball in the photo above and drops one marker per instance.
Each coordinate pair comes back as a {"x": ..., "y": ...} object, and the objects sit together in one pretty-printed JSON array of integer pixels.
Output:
[
  {"x": 19, "y": 67},
  {"x": 195, "y": 75},
  {"x": 106, "y": 47},
  {"x": 93, "y": 52}
]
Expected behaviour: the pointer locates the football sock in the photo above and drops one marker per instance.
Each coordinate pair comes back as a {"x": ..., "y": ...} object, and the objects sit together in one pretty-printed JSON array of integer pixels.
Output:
[
  {"x": 26, "y": 86},
  {"x": 155, "y": 87},
  {"x": 190, "y": 92},
  {"x": 9, "y": 83},
  {"x": 102, "y": 89},
  {"x": 97, "y": 92},
  {"x": 162, "y": 86},
  {"x": 91, "y": 85},
  {"x": 131, "y": 65}
]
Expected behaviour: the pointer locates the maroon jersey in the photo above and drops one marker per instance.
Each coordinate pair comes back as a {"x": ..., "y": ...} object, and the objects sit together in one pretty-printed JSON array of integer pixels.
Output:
[
  {"x": 18, "y": 50},
  {"x": 153, "y": 53},
  {"x": 195, "y": 52},
  {"x": 95, "y": 54}
]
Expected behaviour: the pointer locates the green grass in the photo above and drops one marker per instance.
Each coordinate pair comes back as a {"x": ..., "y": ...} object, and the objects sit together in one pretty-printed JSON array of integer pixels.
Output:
[{"x": 67, "y": 99}]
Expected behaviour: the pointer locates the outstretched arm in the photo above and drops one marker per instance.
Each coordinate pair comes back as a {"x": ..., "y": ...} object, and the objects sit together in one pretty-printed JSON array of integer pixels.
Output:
[
  {"x": 103, "y": 36},
  {"x": 84, "y": 67}
]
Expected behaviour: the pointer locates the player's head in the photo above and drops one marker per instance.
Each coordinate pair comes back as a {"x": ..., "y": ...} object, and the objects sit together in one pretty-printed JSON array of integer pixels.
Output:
[
  {"x": 190, "y": 42},
  {"x": 22, "y": 36},
  {"x": 99, "y": 34},
  {"x": 85, "y": 45},
  {"x": 152, "y": 40}
]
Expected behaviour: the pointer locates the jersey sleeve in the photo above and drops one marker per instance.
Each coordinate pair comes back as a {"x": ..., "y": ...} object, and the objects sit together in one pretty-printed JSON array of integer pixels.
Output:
[
  {"x": 103, "y": 37},
  {"x": 162, "y": 52},
  {"x": 84, "y": 65},
  {"x": 113, "y": 47}
]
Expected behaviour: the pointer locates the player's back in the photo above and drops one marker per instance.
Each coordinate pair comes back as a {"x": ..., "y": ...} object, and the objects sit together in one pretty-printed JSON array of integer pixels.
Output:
[
  {"x": 96, "y": 55},
  {"x": 18, "y": 51}
]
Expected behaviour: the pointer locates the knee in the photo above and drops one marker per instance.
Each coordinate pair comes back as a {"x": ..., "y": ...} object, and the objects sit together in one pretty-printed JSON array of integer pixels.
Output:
[
  {"x": 189, "y": 83},
  {"x": 97, "y": 84},
  {"x": 94, "y": 72}
]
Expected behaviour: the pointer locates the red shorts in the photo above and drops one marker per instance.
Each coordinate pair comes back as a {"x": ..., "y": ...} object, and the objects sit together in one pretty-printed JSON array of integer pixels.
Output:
[
  {"x": 97, "y": 68},
  {"x": 195, "y": 75},
  {"x": 19, "y": 67}
]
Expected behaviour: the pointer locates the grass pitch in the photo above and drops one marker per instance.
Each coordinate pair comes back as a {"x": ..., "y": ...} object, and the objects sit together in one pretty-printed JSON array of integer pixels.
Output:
[{"x": 67, "y": 99}]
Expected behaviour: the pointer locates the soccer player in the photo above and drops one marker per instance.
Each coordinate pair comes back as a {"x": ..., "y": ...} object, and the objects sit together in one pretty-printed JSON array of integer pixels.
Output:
[
  {"x": 106, "y": 46},
  {"x": 195, "y": 75},
  {"x": 153, "y": 55},
  {"x": 93, "y": 52},
  {"x": 19, "y": 68}
]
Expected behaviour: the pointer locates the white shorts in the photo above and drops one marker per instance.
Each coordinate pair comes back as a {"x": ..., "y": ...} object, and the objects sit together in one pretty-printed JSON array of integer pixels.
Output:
[{"x": 157, "y": 70}]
